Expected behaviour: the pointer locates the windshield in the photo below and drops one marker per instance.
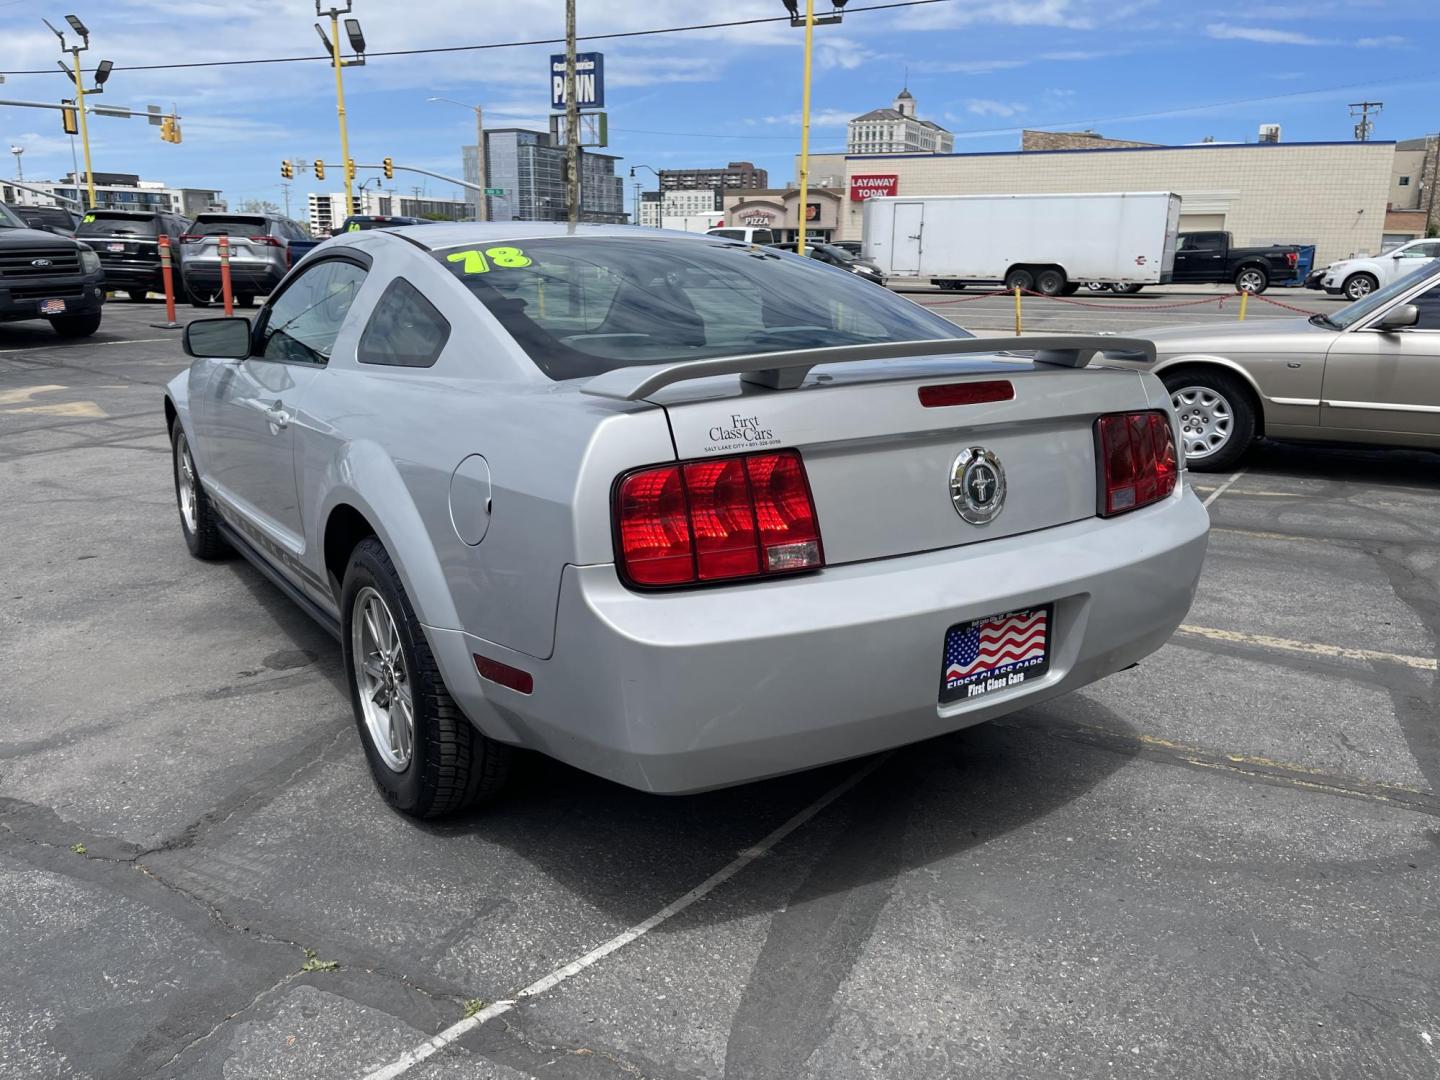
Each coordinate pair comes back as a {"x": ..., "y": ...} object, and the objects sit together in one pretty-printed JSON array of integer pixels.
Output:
[
  {"x": 8, "y": 220},
  {"x": 582, "y": 306},
  {"x": 1364, "y": 307},
  {"x": 116, "y": 223}
]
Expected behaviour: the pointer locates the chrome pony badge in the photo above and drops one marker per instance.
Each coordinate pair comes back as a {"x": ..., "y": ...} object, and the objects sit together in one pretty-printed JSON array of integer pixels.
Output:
[{"x": 977, "y": 485}]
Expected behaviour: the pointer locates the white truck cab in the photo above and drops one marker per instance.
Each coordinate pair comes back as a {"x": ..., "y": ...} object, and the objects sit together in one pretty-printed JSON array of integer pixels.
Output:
[{"x": 1360, "y": 277}]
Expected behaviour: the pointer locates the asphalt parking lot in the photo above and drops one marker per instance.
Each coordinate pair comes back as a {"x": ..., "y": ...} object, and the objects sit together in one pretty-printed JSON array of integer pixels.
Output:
[{"x": 1224, "y": 862}]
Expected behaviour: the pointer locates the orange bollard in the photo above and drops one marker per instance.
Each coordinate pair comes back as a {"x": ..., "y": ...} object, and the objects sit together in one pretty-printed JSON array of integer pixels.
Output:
[
  {"x": 168, "y": 278},
  {"x": 225, "y": 290}
]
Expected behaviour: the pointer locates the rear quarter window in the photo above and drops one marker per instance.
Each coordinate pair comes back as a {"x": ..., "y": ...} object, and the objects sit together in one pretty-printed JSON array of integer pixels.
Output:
[{"x": 405, "y": 330}]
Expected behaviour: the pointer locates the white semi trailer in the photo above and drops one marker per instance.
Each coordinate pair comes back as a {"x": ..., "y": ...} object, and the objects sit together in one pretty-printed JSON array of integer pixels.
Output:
[{"x": 1049, "y": 243}]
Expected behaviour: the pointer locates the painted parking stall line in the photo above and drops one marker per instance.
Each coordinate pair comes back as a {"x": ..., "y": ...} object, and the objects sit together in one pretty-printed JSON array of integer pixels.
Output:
[
  {"x": 1312, "y": 648},
  {"x": 408, "y": 1060},
  {"x": 1223, "y": 488}
]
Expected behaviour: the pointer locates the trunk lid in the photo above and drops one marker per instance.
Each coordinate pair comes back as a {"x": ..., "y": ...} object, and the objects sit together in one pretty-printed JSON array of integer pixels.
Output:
[{"x": 880, "y": 462}]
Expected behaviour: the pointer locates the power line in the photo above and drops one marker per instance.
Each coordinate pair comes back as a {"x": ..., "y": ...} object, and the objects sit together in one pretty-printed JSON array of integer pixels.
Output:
[{"x": 492, "y": 45}]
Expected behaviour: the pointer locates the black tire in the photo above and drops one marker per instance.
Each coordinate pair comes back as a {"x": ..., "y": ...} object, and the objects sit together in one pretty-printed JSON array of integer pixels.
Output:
[
  {"x": 137, "y": 296},
  {"x": 1358, "y": 285},
  {"x": 951, "y": 285},
  {"x": 245, "y": 300},
  {"x": 451, "y": 765},
  {"x": 200, "y": 300},
  {"x": 203, "y": 539},
  {"x": 1071, "y": 288},
  {"x": 1239, "y": 403},
  {"x": 1127, "y": 290},
  {"x": 1050, "y": 281},
  {"x": 76, "y": 326},
  {"x": 1019, "y": 278},
  {"x": 1098, "y": 286},
  {"x": 1252, "y": 279}
]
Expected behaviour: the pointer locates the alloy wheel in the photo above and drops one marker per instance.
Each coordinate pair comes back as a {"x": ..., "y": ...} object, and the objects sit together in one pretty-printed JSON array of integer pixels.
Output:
[
  {"x": 382, "y": 679},
  {"x": 1250, "y": 281},
  {"x": 1206, "y": 420},
  {"x": 186, "y": 484}
]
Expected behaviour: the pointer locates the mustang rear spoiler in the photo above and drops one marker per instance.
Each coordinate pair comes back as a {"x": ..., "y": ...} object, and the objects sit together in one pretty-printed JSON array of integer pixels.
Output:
[{"x": 787, "y": 370}]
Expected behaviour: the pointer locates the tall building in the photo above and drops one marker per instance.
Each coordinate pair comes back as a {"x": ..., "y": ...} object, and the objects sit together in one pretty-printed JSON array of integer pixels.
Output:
[
  {"x": 897, "y": 130},
  {"x": 671, "y": 204},
  {"x": 530, "y": 169},
  {"x": 736, "y": 176}
]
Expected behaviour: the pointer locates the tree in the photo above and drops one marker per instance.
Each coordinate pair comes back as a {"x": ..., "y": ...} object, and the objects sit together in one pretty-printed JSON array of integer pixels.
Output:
[{"x": 259, "y": 206}]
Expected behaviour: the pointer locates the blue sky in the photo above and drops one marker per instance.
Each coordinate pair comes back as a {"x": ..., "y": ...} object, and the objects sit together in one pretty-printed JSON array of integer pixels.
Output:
[{"x": 1154, "y": 70}]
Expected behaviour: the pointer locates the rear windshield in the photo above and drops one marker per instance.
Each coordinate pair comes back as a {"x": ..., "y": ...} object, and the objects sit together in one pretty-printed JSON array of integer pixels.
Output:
[
  {"x": 110, "y": 223},
  {"x": 237, "y": 225},
  {"x": 363, "y": 224},
  {"x": 50, "y": 215},
  {"x": 581, "y": 306}
]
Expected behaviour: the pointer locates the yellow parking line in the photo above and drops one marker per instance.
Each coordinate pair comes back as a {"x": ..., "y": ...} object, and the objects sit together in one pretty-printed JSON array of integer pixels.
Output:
[
  {"x": 25, "y": 393},
  {"x": 1311, "y": 648}
]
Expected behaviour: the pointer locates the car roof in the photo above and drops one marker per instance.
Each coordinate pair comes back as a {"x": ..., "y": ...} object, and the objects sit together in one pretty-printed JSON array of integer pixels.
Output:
[{"x": 452, "y": 234}]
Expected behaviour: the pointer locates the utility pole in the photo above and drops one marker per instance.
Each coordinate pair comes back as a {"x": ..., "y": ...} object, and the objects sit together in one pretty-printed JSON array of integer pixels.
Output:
[
  {"x": 332, "y": 46},
  {"x": 572, "y": 120},
  {"x": 805, "y": 129},
  {"x": 482, "y": 208},
  {"x": 1365, "y": 108},
  {"x": 285, "y": 187}
]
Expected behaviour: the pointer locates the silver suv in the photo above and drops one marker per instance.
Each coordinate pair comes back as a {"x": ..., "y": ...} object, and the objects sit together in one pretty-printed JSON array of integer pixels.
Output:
[{"x": 260, "y": 254}]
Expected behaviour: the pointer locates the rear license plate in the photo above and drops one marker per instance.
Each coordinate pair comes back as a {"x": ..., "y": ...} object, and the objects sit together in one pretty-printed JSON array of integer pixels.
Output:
[
  {"x": 995, "y": 653},
  {"x": 52, "y": 307},
  {"x": 114, "y": 247}
]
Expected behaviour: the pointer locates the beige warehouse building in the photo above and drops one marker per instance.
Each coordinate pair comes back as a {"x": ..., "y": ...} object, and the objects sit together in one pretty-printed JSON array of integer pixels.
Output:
[{"x": 1332, "y": 195}]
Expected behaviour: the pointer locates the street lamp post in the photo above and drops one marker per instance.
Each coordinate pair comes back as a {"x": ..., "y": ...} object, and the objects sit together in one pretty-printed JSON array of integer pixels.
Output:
[
  {"x": 102, "y": 72},
  {"x": 659, "y": 203},
  {"x": 809, "y": 22},
  {"x": 483, "y": 202},
  {"x": 332, "y": 46},
  {"x": 19, "y": 172}
]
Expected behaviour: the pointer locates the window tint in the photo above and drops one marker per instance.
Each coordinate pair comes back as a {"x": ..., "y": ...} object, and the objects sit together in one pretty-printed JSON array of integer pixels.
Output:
[
  {"x": 729, "y": 234},
  {"x": 231, "y": 226},
  {"x": 405, "y": 330},
  {"x": 302, "y": 322},
  {"x": 1199, "y": 242},
  {"x": 579, "y": 307},
  {"x": 762, "y": 236},
  {"x": 1429, "y": 304},
  {"x": 103, "y": 223}
]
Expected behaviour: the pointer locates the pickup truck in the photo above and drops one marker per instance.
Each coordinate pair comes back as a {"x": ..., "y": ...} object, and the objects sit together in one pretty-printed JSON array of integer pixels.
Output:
[
  {"x": 45, "y": 276},
  {"x": 1213, "y": 257}
]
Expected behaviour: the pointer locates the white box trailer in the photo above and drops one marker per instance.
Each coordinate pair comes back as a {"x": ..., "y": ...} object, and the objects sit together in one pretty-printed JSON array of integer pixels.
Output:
[{"x": 1049, "y": 243}]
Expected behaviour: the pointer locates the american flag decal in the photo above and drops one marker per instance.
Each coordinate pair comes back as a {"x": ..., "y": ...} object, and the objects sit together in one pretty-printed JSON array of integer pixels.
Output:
[{"x": 996, "y": 646}]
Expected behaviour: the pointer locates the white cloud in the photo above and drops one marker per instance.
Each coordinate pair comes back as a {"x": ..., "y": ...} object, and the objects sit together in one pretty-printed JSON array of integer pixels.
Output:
[
  {"x": 1385, "y": 41},
  {"x": 987, "y": 107},
  {"x": 1261, "y": 35}
]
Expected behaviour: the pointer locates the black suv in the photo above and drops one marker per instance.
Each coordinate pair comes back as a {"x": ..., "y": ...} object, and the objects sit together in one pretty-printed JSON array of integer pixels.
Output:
[
  {"x": 44, "y": 276},
  {"x": 128, "y": 243},
  {"x": 55, "y": 219}
]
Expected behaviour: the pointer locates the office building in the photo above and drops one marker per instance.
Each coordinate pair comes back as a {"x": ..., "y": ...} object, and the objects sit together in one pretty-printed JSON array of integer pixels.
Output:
[
  {"x": 530, "y": 169},
  {"x": 326, "y": 210},
  {"x": 117, "y": 191},
  {"x": 896, "y": 130}
]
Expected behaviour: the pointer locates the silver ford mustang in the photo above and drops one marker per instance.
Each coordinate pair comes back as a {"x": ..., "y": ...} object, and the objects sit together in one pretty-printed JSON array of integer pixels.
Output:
[{"x": 678, "y": 510}]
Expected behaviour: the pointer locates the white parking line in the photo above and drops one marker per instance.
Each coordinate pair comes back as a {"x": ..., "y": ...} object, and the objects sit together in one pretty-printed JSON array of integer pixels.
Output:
[
  {"x": 1265, "y": 641},
  {"x": 1222, "y": 488},
  {"x": 89, "y": 344},
  {"x": 411, "y": 1058}
]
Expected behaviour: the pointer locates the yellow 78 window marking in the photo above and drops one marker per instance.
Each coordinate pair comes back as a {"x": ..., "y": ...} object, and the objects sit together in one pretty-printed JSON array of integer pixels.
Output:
[{"x": 475, "y": 261}]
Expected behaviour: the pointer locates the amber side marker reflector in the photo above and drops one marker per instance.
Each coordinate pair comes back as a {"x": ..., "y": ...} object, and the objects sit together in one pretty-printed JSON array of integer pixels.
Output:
[
  {"x": 521, "y": 681},
  {"x": 966, "y": 393}
]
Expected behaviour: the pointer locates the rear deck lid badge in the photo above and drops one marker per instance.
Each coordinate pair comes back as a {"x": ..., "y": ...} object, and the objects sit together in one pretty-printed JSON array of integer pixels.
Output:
[{"x": 977, "y": 485}]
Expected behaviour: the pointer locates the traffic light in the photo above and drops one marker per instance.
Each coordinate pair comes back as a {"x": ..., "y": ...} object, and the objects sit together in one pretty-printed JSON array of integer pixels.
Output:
[
  {"x": 70, "y": 119},
  {"x": 169, "y": 130},
  {"x": 388, "y": 164},
  {"x": 319, "y": 169},
  {"x": 349, "y": 168},
  {"x": 287, "y": 170}
]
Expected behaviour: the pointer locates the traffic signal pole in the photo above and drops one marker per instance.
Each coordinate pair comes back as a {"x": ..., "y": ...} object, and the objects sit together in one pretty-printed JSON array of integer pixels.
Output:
[
  {"x": 84, "y": 130},
  {"x": 350, "y": 207}
]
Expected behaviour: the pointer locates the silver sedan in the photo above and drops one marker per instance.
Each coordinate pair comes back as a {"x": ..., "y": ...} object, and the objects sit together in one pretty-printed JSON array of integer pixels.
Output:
[
  {"x": 681, "y": 511},
  {"x": 1369, "y": 373}
]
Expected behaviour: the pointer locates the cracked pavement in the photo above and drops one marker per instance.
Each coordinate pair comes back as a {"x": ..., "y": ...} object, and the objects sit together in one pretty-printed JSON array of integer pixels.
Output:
[{"x": 1224, "y": 862}]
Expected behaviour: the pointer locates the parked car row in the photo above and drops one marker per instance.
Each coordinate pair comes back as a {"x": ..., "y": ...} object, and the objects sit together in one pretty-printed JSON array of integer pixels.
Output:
[{"x": 841, "y": 256}]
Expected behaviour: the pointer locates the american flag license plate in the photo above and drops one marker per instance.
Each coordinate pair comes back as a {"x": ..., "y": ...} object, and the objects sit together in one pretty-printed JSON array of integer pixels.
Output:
[{"x": 996, "y": 653}]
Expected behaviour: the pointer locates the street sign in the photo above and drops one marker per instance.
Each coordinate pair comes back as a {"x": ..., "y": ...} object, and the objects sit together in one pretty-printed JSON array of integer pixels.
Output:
[
  {"x": 153, "y": 111},
  {"x": 594, "y": 129},
  {"x": 589, "y": 80},
  {"x": 494, "y": 191}
]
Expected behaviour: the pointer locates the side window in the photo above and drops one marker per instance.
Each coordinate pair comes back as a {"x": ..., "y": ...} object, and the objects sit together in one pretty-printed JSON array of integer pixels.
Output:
[
  {"x": 303, "y": 321},
  {"x": 762, "y": 236},
  {"x": 1429, "y": 304},
  {"x": 404, "y": 331},
  {"x": 1199, "y": 242}
]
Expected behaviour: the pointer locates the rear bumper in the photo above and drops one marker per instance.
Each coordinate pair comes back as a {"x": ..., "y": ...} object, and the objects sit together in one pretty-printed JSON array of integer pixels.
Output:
[
  {"x": 259, "y": 278},
  {"x": 131, "y": 277},
  {"x": 686, "y": 691}
]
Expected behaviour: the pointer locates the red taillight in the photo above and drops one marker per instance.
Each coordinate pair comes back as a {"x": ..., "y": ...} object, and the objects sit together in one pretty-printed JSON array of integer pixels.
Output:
[
  {"x": 1292, "y": 257},
  {"x": 970, "y": 393},
  {"x": 1137, "y": 460},
  {"x": 717, "y": 520},
  {"x": 520, "y": 681},
  {"x": 268, "y": 241}
]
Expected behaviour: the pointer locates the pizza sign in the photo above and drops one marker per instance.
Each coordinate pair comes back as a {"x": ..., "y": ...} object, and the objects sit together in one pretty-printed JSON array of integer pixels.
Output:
[{"x": 873, "y": 186}]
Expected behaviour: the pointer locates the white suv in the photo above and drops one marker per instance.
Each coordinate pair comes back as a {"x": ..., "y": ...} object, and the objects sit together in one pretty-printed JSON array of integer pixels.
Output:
[{"x": 1360, "y": 277}]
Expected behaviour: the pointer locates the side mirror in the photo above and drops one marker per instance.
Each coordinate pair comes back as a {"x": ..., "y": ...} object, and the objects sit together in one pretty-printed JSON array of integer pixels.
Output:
[
  {"x": 1397, "y": 318},
  {"x": 224, "y": 339}
]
